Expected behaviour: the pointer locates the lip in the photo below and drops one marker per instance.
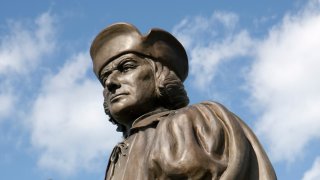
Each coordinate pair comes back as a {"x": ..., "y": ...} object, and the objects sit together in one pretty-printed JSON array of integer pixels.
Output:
[{"x": 116, "y": 96}]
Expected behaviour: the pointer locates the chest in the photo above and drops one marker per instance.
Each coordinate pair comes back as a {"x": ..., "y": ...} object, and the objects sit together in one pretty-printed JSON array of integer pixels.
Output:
[{"x": 129, "y": 159}]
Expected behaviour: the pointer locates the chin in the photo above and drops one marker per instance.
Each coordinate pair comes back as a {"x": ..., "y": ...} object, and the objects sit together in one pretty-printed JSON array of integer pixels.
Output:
[{"x": 121, "y": 107}]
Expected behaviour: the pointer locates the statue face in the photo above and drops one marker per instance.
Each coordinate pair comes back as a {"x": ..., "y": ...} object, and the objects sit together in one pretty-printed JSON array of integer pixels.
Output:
[{"x": 129, "y": 90}]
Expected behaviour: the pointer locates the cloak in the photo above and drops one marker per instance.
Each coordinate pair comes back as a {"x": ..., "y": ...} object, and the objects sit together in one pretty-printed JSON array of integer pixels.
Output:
[{"x": 201, "y": 141}]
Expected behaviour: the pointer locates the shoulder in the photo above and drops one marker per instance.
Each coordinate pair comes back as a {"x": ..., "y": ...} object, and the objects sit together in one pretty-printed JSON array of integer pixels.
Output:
[
  {"x": 204, "y": 112},
  {"x": 203, "y": 107},
  {"x": 208, "y": 116},
  {"x": 205, "y": 104}
]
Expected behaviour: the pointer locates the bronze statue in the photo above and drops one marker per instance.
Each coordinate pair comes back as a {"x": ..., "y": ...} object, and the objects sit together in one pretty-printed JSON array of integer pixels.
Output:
[{"x": 144, "y": 96}]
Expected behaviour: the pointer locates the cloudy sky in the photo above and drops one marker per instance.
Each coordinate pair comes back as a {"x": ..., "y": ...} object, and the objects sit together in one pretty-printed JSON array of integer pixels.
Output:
[{"x": 260, "y": 59}]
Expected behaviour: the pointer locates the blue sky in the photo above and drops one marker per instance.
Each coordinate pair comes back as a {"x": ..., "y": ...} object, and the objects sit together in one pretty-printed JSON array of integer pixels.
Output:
[{"x": 259, "y": 59}]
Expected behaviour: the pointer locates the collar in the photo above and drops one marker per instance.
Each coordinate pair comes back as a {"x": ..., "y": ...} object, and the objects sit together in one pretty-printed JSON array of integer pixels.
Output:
[{"x": 148, "y": 119}]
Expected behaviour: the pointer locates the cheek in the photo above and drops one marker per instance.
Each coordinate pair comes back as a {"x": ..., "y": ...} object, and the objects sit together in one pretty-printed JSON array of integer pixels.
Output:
[
  {"x": 105, "y": 92},
  {"x": 146, "y": 82}
]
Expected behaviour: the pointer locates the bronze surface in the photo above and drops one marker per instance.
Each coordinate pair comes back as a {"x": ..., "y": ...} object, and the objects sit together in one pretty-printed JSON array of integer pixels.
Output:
[{"x": 164, "y": 138}]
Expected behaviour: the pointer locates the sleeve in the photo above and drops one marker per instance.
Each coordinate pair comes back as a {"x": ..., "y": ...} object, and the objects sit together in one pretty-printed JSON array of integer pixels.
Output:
[{"x": 203, "y": 141}]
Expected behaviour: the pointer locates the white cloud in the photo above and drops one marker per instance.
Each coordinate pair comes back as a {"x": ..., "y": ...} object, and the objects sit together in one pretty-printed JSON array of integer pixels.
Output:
[
  {"x": 205, "y": 60},
  {"x": 314, "y": 172},
  {"x": 21, "y": 51},
  {"x": 68, "y": 124},
  {"x": 286, "y": 86},
  {"x": 7, "y": 101},
  {"x": 23, "y": 48},
  {"x": 283, "y": 80},
  {"x": 210, "y": 42}
]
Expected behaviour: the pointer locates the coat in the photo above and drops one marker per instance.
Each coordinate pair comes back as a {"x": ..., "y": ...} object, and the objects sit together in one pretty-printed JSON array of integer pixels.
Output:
[{"x": 201, "y": 141}]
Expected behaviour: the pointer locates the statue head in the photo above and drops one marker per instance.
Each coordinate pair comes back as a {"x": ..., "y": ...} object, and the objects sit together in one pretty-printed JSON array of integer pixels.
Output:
[{"x": 139, "y": 73}]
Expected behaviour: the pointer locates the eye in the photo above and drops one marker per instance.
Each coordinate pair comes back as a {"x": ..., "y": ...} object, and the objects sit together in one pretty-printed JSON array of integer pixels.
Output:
[
  {"x": 105, "y": 76},
  {"x": 127, "y": 66}
]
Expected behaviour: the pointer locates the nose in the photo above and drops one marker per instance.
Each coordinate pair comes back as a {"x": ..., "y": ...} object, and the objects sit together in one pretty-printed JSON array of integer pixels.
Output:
[{"x": 112, "y": 82}]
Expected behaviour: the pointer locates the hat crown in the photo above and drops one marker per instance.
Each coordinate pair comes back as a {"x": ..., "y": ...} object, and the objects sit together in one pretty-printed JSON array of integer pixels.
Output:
[{"x": 119, "y": 35}]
